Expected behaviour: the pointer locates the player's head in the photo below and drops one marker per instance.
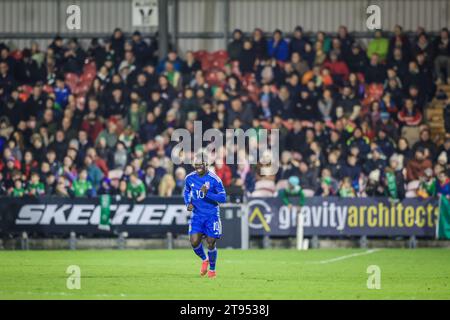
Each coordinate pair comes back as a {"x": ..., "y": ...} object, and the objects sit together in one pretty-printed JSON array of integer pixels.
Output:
[{"x": 200, "y": 164}]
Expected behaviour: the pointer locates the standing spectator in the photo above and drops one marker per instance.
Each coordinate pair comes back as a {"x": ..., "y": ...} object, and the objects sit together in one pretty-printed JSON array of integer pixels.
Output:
[
  {"x": 259, "y": 44},
  {"x": 298, "y": 41},
  {"x": 278, "y": 47},
  {"x": 357, "y": 59},
  {"x": 247, "y": 58},
  {"x": 442, "y": 60},
  {"x": 378, "y": 45},
  {"x": 235, "y": 46}
]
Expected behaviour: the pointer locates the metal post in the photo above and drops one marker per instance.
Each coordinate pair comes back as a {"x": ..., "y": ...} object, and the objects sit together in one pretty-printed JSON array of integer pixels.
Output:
[
  {"x": 175, "y": 24},
  {"x": 163, "y": 28},
  {"x": 412, "y": 243},
  {"x": 121, "y": 240},
  {"x": 169, "y": 240},
  {"x": 363, "y": 242},
  {"x": 24, "y": 241},
  {"x": 266, "y": 242},
  {"x": 245, "y": 234},
  {"x": 73, "y": 241},
  {"x": 226, "y": 21},
  {"x": 315, "y": 242}
]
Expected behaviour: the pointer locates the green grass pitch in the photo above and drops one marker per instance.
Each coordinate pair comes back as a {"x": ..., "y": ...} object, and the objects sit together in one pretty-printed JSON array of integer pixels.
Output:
[{"x": 252, "y": 274}]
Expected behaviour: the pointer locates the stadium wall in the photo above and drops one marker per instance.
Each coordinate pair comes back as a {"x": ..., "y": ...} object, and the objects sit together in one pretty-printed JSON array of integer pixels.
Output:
[{"x": 201, "y": 23}]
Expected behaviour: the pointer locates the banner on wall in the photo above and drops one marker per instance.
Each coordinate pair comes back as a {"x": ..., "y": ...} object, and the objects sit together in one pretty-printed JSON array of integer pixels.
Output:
[
  {"x": 107, "y": 216},
  {"x": 344, "y": 217},
  {"x": 266, "y": 216}
]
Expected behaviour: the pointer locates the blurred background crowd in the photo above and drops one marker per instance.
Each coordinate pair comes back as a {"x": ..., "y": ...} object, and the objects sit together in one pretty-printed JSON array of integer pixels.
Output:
[{"x": 355, "y": 118}]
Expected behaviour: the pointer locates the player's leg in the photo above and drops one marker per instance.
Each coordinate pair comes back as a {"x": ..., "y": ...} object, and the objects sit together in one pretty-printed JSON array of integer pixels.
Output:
[
  {"x": 213, "y": 232},
  {"x": 212, "y": 256},
  {"x": 197, "y": 246}
]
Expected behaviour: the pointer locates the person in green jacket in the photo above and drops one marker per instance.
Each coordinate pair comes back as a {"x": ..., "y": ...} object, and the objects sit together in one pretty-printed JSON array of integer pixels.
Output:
[
  {"x": 293, "y": 190},
  {"x": 82, "y": 187},
  {"x": 18, "y": 190},
  {"x": 378, "y": 45},
  {"x": 135, "y": 188},
  {"x": 35, "y": 187}
]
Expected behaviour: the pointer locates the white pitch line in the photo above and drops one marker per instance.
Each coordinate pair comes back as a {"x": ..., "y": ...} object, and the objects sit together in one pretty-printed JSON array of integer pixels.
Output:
[{"x": 348, "y": 256}]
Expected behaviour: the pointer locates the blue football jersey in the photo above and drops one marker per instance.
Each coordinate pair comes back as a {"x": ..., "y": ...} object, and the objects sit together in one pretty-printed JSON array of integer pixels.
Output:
[{"x": 204, "y": 205}]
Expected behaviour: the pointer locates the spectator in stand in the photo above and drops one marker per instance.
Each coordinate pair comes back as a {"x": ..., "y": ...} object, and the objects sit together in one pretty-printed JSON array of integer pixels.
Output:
[
  {"x": 81, "y": 187},
  {"x": 345, "y": 40},
  {"x": 298, "y": 42},
  {"x": 338, "y": 68},
  {"x": 357, "y": 59},
  {"x": 375, "y": 71},
  {"x": 135, "y": 189},
  {"x": 409, "y": 115},
  {"x": 443, "y": 185},
  {"x": 415, "y": 168},
  {"x": 442, "y": 60},
  {"x": 235, "y": 46},
  {"x": 277, "y": 47},
  {"x": 399, "y": 41},
  {"x": 259, "y": 44},
  {"x": 247, "y": 58},
  {"x": 379, "y": 46}
]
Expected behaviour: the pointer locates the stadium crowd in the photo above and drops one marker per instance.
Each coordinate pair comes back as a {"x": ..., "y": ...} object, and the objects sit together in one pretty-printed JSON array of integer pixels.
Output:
[{"x": 80, "y": 121}]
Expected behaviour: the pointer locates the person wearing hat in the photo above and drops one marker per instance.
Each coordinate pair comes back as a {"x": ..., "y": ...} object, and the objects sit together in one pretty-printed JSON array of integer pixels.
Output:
[{"x": 293, "y": 189}]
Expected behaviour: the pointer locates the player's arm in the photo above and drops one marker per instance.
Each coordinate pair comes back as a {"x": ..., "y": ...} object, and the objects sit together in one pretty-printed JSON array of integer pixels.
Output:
[
  {"x": 187, "y": 195},
  {"x": 218, "y": 194}
]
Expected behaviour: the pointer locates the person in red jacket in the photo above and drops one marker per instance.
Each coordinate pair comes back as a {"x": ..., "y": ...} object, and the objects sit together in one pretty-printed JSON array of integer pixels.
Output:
[
  {"x": 338, "y": 68},
  {"x": 223, "y": 171},
  {"x": 409, "y": 115}
]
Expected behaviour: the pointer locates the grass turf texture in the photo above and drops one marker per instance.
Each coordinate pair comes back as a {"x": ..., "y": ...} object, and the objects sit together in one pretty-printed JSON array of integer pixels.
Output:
[{"x": 252, "y": 274}]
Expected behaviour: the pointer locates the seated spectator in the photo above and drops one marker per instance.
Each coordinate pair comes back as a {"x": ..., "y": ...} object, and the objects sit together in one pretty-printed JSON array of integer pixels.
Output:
[
  {"x": 338, "y": 68},
  {"x": 346, "y": 189},
  {"x": 82, "y": 187},
  {"x": 409, "y": 115},
  {"x": 135, "y": 189},
  {"x": 415, "y": 168},
  {"x": 375, "y": 72},
  {"x": 166, "y": 186}
]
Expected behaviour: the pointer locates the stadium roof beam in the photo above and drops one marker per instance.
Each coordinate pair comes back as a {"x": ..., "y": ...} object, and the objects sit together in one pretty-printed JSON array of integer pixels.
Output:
[{"x": 163, "y": 28}]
